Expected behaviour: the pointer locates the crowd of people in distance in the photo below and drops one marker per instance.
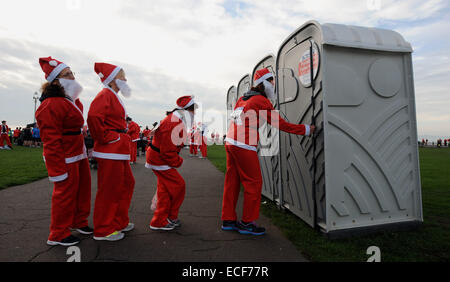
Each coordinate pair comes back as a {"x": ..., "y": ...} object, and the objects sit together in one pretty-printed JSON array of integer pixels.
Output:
[
  {"x": 28, "y": 136},
  {"x": 439, "y": 143}
]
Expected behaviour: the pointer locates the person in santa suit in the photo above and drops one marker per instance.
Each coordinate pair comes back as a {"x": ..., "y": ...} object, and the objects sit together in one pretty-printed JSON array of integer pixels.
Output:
[
  {"x": 4, "y": 136},
  {"x": 133, "y": 131},
  {"x": 193, "y": 142},
  {"x": 108, "y": 128},
  {"x": 163, "y": 158},
  {"x": 242, "y": 160},
  {"x": 60, "y": 119},
  {"x": 203, "y": 140}
]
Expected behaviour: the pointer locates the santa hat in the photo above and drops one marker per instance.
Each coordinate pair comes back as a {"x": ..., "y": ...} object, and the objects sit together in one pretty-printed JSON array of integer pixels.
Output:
[
  {"x": 185, "y": 102},
  {"x": 106, "y": 72},
  {"x": 261, "y": 75},
  {"x": 51, "y": 67}
]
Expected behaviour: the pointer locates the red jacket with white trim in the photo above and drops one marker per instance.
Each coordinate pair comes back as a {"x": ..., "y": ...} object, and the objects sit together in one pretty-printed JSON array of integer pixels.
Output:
[
  {"x": 246, "y": 117},
  {"x": 59, "y": 119},
  {"x": 106, "y": 116},
  {"x": 171, "y": 126},
  {"x": 133, "y": 131}
]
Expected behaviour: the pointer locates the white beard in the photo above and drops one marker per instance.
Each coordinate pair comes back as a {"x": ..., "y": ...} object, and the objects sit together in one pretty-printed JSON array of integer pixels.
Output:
[
  {"x": 71, "y": 87},
  {"x": 124, "y": 88},
  {"x": 269, "y": 90}
]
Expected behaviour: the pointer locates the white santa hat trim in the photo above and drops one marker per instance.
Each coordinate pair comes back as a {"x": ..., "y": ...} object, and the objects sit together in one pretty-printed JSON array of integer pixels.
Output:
[
  {"x": 262, "y": 78},
  {"x": 56, "y": 71},
  {"x": 187, "y": 105},
  {"x": 111, "y": 76}
]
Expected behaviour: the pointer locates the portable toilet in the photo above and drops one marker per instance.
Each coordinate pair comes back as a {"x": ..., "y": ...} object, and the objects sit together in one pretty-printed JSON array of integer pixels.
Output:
[
  {"x": 360, "y": 170},
  {"x": 268, "y": 147},
  {"x": 243, "y": 86},
  {"x": 231, "y": 102}
]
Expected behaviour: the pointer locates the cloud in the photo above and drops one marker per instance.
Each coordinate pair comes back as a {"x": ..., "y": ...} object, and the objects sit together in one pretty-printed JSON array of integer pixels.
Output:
[{"x": 177, "y": 47}]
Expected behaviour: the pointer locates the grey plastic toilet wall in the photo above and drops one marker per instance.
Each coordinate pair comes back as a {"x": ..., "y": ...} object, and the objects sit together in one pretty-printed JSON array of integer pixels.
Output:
[{"x": 361, "y": 169}]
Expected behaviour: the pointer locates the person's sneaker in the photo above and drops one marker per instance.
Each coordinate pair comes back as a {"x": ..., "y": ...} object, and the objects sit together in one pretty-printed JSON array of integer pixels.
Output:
[
  {"x": 168, "y": 227},
  {"x": 68, "y": 241},
  {"x": 85, "y": 230},
  {"x": 115, "y": 236},
  {"x": 129, "y": 227},
  {"x": 229, "y": 225},
  {"x": 176, "y": 222},
  {"x": 250, "y": 228}
]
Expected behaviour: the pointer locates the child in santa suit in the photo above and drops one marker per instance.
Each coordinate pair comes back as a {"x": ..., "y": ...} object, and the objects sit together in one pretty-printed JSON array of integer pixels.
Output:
[
  {"x": 107, "y": 125},
  {"x": 133, "y": 131},
  {"x": 193, "y": 144},
  {"x": 60, "y": 119},
  {"x": 4, "y": 136},
  {"x": 242, "y": 159},
  {"x": 162, "y": 157},
  {"x": 204, "y": 140}
]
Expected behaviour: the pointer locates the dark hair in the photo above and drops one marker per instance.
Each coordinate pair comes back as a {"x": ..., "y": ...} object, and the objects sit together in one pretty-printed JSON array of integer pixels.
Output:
[
  {"x": 190, "y": 108},
  {"x": 51, "y": 90},
  {"x": 128, "y": 119},
  {"x": 259, "y": 88}
]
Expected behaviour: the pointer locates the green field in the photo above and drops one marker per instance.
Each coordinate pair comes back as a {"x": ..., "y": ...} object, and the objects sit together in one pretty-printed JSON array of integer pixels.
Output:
[
  {"x": 430, "y": 242},
  {"x": 21, "y": 165}
]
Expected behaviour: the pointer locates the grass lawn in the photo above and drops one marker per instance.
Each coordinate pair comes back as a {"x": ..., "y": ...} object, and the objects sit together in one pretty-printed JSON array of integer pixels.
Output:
[
  {"x": 431, "y": 242},
  {"x": 20, "y": 166}
]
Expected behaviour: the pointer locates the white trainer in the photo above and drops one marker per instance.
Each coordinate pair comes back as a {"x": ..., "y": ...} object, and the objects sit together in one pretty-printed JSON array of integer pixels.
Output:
[
  {"x": 129, "y": 227},
  {"x": 115, "y": 236}
]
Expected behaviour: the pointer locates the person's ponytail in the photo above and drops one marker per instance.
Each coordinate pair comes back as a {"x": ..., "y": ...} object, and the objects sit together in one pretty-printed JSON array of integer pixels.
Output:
[{"x": 169, "y": 112}]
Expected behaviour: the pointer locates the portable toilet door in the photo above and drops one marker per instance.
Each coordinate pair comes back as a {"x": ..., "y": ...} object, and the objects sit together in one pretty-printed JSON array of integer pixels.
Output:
[
  {"x": 360, "y": 171},
  {"x": 243, "y": 86},
  {"x": 231, "y": 102},
  {"x": 268, "y": 147}
]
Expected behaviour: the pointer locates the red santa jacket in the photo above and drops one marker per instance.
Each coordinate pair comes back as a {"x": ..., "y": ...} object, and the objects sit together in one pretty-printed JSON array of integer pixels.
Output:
[
  {"x": 133, "y": 131},
  {"x": 107, "y": 125},
  {"x": 172, "y": 126},
  {"x": 4, "y": 129},
  {"x": 243, "y": 129},
  {"x": 59, "y": 120}
]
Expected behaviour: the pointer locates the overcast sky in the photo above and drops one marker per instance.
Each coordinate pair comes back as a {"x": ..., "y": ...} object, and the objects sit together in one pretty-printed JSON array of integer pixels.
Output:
[{"x": 171, "y": 48}]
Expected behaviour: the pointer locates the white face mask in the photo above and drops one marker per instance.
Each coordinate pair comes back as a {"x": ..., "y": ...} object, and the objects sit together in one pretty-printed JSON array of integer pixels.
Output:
[
  {"x": 71, "y": 87},
  {"x": 124, "y": 88},
  {"x": 269, "y": 89}
]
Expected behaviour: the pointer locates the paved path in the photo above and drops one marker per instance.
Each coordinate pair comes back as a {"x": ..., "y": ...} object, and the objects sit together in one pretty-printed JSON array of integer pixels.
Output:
[{"x": 25, "y": 220}]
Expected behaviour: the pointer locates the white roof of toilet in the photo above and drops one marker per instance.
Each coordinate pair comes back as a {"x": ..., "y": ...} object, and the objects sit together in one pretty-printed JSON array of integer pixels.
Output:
[{"x": 364, "y": 38}]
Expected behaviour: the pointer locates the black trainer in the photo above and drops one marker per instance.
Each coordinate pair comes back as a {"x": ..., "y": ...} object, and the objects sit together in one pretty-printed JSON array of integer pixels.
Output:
[
  {"x": 85, "y": 230},
  {"x": 250, "y": 228},
  {"x": 229, "y": 225},
  {"x": 68, "y": 241}
]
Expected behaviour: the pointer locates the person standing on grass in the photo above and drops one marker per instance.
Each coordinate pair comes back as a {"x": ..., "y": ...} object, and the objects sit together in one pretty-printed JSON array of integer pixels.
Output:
[
  {"x": 108, "y": 128},
  {"x": 4, "y": 136},
  {"x": 242, "y": 158},
  {"x": 163, "y": 158},
  {"x": 60, "y": 119}
]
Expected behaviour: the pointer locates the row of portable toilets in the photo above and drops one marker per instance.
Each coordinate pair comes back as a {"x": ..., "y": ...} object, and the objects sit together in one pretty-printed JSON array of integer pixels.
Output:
[{"x": 360, "y": 170}]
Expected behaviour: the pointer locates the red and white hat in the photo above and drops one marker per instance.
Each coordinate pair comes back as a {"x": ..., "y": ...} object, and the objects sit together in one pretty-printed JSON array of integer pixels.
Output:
[
  {"x": 185, "y": 102},
  {"x": 106, "y": 72},
  {"x": 51, "y": 67},
  {"x": 261, "y": 75}
]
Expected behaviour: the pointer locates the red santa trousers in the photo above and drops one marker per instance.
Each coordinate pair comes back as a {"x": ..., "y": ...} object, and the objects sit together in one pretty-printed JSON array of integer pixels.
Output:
[
  {"x": 171, "y": 189},
  {"x": 113, "y": 199},
  {"x": 71, "y": 201},
  {"x": 204, "y": 147},
  {"x": 193, "y": 149},
  {"x": 242, "y": 167},
  {"x": 3, "y": 138},
  {"x": 133, "y": 151}
]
